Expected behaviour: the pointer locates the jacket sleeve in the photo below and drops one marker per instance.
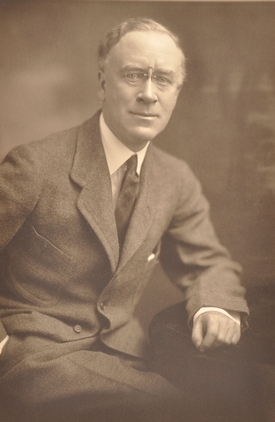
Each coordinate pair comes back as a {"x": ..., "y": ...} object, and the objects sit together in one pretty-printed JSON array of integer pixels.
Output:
[
  {"x": 194, "y": 258},
  {"x": 19, "y": 191}
]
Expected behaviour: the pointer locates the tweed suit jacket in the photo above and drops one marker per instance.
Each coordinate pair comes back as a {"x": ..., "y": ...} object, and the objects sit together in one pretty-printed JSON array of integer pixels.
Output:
[{"x": 62, "y": 274}]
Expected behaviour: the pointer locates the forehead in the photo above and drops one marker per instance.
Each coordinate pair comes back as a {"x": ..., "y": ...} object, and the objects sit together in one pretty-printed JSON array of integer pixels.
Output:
[{"x": 146, "y": 49}]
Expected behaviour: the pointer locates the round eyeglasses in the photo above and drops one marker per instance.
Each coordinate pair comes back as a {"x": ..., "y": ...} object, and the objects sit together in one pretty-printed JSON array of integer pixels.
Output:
[{"x": 138, "y": 78}]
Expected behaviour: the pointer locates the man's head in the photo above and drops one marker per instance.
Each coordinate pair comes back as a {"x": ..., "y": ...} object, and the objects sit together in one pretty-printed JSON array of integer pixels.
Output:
[{"x": 141, "y": 71}]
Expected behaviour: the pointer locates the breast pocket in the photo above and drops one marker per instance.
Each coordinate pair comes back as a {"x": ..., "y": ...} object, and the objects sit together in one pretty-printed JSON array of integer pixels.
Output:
[
  {"x": 38, "y": 270},
  {"x": 155, "y": 253},
  {"x": 3, "y": 344},
  {"x": 153, "y": 258}
]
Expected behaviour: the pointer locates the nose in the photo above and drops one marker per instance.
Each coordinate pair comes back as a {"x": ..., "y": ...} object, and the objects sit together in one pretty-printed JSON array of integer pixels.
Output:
[{"x": 147, "y": 93}]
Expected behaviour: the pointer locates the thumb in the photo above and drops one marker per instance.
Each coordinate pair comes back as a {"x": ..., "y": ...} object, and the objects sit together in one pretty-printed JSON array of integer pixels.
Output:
[{"x": 197, "y": 332}]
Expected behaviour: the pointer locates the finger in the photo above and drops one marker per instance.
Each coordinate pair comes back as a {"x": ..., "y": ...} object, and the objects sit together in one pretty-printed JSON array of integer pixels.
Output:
[
  {"x": 216, "y": 330},
  {"x": 228, "y": 334},
  {"x": 211, "y": 331},
  {"x": 197, "y": 333},
  {"x": 233, "y": 333},
  {"x": 210, "y": 339},
  {"x": 236, "y": 336},
  {"x": 224, "y": 334}
]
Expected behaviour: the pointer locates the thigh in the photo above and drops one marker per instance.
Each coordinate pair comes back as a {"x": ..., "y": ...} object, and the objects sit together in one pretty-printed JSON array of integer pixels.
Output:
[{"x": 71, "y": 381}]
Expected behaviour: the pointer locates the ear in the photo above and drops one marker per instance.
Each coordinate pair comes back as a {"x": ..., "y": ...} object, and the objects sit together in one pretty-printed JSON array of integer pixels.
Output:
[{"x": 101, "y": 85}]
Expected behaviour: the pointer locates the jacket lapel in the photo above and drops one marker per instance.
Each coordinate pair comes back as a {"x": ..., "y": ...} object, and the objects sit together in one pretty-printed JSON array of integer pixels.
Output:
[{"x": 90, "y": 171}]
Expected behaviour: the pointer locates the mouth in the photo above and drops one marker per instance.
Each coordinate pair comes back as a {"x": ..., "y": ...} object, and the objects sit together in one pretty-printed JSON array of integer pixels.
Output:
[{"x": 145, "y": 115}]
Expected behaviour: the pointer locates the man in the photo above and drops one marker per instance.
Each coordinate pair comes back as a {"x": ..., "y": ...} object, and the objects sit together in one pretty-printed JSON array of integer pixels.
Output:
[{"x": 74, "y": 267}]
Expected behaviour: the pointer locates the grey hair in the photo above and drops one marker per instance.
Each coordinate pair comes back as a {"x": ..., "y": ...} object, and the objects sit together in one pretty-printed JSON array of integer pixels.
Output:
[{"x": 114, "y": 35}]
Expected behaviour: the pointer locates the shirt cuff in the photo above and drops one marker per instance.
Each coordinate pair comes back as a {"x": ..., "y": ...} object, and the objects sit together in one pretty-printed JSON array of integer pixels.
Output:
[{"x": 232, "y": 314}]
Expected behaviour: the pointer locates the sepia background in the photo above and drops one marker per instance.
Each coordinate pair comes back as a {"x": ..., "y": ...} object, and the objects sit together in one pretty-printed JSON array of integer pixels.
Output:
[{"x": 223, "y": 126}]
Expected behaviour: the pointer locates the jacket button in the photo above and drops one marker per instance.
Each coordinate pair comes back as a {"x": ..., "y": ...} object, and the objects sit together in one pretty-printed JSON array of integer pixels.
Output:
[
  {"x": 77, "y": 328},
  {"x": 102, "y": 306}
]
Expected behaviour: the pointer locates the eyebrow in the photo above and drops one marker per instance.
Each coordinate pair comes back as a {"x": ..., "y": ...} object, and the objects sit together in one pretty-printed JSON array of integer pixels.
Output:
[
  {"x": 141, "y": 69},
  {"x": 166, "y": 72},
  {"x": 132, "y": 68}
]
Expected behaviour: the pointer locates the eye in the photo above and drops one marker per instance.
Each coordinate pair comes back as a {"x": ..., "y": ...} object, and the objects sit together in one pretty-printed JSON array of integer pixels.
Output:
[
  {"x": 162, "y": 80},
  {"x": 133, "y": 77}
]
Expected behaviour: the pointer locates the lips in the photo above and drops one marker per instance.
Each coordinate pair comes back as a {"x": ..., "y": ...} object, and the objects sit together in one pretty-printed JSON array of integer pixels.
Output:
[{"x": 144, "y": 114}]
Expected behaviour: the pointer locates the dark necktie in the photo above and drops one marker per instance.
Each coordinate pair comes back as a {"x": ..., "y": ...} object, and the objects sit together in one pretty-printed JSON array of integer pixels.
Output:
[{"x": 126, "y": 198}]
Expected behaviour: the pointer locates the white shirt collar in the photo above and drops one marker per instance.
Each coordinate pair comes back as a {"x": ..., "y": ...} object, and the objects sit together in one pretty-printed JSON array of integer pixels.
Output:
[{"x": 116, "y": 152}]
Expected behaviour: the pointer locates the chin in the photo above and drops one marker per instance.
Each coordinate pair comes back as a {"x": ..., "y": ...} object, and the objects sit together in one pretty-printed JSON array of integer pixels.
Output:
[{"x": 144, "y": 134}]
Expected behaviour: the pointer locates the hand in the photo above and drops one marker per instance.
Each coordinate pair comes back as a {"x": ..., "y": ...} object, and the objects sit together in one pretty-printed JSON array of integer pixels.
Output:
[{"x": 213, "y": 329}]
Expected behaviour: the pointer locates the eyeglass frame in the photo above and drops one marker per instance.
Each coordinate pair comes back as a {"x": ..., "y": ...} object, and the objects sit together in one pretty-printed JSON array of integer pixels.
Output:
[{"x": 146, "y": 75}]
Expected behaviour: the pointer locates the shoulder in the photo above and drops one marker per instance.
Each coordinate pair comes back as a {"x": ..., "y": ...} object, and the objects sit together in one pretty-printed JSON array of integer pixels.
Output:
[
  {"x": 174, "y": 178},
  {"x": 54, "y": 146},
  {"x": 54, "y": 150},
  {"x": 170, "y": 167}
]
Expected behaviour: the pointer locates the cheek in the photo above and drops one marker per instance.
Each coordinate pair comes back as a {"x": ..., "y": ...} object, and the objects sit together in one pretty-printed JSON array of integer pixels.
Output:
[
  {"x": 112, "y": 97},
  {"x": 120, "y": 94},
  {"x": 169, "y": 106},
  {"x": 115, "y": 105}
]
